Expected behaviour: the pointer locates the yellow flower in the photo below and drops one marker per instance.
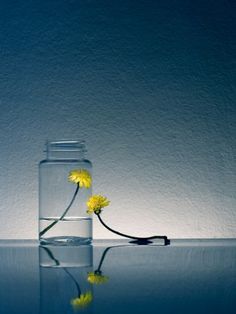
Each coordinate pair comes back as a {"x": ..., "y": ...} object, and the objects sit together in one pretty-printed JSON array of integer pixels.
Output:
[
  {"x": 81, "y": 176},
  {"x": 96, "y": 203},
  {"x": 97, "y": 278},
  {"x": 83, "y": 301}
]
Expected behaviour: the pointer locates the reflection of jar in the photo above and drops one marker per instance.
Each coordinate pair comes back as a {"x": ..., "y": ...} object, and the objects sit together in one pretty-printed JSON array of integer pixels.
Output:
[
  {"x": 56, "y": 194},
  {"x": 64, "y": 277}
]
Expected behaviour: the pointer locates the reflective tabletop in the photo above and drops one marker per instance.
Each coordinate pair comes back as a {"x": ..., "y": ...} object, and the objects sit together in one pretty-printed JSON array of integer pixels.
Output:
[{"x": 187, "y": 276}]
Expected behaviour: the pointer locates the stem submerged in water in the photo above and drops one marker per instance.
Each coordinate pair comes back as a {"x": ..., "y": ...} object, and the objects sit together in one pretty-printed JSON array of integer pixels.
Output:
[{"x": 63, "y": 215}]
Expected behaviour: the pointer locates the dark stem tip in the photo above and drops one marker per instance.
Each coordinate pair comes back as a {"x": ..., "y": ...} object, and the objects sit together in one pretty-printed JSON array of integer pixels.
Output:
[
  {"x": 97, "y": 272},
  {"x": 167, "y": 241}
]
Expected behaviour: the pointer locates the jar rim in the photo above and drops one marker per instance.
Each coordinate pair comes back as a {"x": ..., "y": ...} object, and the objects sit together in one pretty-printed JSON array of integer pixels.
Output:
[{"x": 65, "y": 145}]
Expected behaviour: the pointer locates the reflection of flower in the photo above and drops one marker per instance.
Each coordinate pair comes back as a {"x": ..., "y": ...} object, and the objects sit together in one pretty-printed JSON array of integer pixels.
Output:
[
  {"x": 82, "y": 301},
  {"x": 80, "y": 176},
  {"x": 97, "y": 278},
  {"x": 96, "y": 203}
]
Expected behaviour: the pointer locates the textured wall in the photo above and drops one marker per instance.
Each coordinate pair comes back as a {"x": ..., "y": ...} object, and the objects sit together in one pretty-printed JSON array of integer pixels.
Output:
[{"x": 148, "y": 84}]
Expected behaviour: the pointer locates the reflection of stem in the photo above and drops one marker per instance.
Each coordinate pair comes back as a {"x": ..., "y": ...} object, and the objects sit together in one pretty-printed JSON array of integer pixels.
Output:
[
  {"x": 75, "y": 282},
  {"x": 63, "y": 215},
  {"x": 51, "y": 255},
  {"x": 102, "y": 258},
  {"x": 49, "y": 252},
  {"x": 105, "y": 253},
  {"x": 138, "y": 239}
]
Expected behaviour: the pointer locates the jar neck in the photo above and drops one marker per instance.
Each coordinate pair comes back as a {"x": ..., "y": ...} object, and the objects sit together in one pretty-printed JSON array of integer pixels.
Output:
[{"x": 65, "y": 149}]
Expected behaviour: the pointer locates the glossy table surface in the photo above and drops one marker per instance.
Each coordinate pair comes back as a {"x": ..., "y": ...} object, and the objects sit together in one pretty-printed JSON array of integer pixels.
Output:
[{"x": 187, "y": 276}]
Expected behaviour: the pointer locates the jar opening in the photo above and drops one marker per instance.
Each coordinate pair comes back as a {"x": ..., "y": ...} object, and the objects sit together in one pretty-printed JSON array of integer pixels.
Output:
[
  {"x": 65, "y": 149},
  {"x": 66, "y": 145}
]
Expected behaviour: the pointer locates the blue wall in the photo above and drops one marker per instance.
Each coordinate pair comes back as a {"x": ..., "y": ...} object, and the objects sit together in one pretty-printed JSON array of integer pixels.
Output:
[{"x": 148, "y": 84}]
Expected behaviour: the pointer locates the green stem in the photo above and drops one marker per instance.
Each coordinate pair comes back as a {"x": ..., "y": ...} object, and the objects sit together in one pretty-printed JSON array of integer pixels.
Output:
[
  {"x": 139, "y": 240},
  {"x": 98, "y": 270},
  {"x": 102, "y": 258},
  {"x": 75, "y": 282},
  {"x": 62, "y": 216},
  {"x": 49, "y": 252}
]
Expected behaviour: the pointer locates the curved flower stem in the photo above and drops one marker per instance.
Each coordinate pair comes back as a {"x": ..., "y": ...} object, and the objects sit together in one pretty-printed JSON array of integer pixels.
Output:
[
  {"x": 73, "y": 279},
  {"x": 49, "y": 252},
  {"x": 141, "y": 240},
  {"x": 98, "y": 270},
  {"x": 104, "y": 254},
  {"x": 102, "y": 258},
  {"x": 63, "y": 215},
  {"x": 65, "y": 269}
]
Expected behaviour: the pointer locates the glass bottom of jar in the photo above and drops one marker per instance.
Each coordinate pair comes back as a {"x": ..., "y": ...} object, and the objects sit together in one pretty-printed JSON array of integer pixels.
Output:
[
  {"x": 65, "y": 255},
  {"x": 63, "y": 240},
  {"x": 66, "y": 231}
]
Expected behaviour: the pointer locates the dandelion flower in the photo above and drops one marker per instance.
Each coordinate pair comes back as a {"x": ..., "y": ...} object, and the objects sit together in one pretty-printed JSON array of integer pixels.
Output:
[
  {"x": 81, "y": 176},
  {"x": 96, "y": 203},
  {"x": 97, "y": 278},
  {"x": 82, "y": 301}
]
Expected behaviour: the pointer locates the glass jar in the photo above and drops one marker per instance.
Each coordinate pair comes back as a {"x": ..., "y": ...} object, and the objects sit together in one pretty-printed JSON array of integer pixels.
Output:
[
  {"x": 64, "y": 285},
  {"x": 62, "y": 202}
]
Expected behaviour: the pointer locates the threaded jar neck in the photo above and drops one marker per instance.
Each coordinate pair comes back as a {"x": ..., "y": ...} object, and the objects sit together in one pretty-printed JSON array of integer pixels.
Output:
[{"x": 65, "y": 149}]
